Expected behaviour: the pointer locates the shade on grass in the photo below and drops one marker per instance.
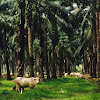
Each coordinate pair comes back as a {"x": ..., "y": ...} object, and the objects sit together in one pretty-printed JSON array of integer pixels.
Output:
[{"x": 74, "y": 89}]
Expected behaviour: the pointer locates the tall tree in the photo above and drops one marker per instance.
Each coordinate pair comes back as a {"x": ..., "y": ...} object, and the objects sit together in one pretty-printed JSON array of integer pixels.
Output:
[
  {"x": 29, "y": 22},
  {"x": 7, "y": 56},
  {"x": 94, "y": 36},
  {"x": 98, "y": 37},
  {"x": 41, "y": 42},
  {"x": 20, "y": 52},
  {"x": 46, "y": 54}
]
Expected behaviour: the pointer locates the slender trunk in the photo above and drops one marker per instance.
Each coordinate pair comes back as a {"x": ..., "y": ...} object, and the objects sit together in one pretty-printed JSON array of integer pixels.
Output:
[
  {"x": 88, "y": 64},
  {"x": 94, "y": 40},
  {"x": 50, "y": 62},
  {"x": 41, "y": 38},
  {"x": 20, "y": 50},
  {"x": 6, "y": 56},
  {"x": 0, "y": 71},
  {"x": 65, "y": 63},
  {"x": 57, "y": 60},
  {"x": 7, "y": 63},
  {"x": 98, "y": 43},
  {"x": 29, "y": 20},
  {"x": 53, "y": 63},
  {"x": 85, "y": 61},
  {"x": 69, "y": 67},
  {"x": 46, "y": 55},
  {"x": 90, "y": 60},
  {"x": 12, "y": 61},
  {"x": 30, "y": 52},
  {"x": 0, "y": 63},
  {"x": 41, "y": 62},
  {"x": 60, "y": 62}
]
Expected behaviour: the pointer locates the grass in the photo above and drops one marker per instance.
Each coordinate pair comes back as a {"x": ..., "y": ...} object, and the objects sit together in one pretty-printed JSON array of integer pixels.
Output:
[{"x": 74, "y": 89}]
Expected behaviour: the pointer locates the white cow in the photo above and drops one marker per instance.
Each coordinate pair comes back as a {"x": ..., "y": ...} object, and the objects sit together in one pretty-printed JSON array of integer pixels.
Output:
[{"x": 22, "y": 82}]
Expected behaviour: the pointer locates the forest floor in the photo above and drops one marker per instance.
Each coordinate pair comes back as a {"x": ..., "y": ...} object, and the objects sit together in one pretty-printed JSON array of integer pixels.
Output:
[{"x": 74, "y": 89}]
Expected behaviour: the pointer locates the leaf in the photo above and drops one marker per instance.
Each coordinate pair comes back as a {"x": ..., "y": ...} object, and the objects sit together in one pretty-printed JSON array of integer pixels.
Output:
[{"x": 0, "y": 1}]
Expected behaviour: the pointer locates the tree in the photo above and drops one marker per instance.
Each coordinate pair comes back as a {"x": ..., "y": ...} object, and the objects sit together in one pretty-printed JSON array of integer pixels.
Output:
[
  {"x": 6, "y": 17},
  {"x": 29, "y": 20},
  {"x": 41, "y": 41},
  {"x": 94, "y": 37},
  {"x": 98, "y": 37},
  {"x": 46, "y": 55},
  {"x": 20, "y": 52}
]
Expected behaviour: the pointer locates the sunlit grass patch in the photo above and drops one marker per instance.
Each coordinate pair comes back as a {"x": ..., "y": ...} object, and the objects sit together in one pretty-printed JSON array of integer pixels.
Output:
[{"x": 74, "y": 89}]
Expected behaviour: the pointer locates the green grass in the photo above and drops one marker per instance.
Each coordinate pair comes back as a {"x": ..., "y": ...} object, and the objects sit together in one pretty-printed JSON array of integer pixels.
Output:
[{"x": 74, "y": 89}]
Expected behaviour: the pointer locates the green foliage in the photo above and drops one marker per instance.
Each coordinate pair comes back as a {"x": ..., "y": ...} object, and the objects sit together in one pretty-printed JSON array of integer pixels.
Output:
[
  {"x": 0, "y": 1},
  {"x": 74, "y": 88}
]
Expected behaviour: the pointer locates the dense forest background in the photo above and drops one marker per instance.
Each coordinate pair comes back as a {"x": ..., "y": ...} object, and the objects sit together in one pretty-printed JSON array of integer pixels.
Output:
[{"x": 50, "y": 37}]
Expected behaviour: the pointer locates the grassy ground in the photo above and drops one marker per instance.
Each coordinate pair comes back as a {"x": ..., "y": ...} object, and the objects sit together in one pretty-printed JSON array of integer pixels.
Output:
[{"x": 74, "y": 89}]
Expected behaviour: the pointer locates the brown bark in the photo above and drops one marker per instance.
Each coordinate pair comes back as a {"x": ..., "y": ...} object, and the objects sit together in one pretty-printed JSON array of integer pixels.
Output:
[
  {"x": 20, "y": 50},
  {"x": 69, "y": 67},
  {"x": 12, "y": 61},
  {"x": 46, "y": 55},
  {"x": 98, "y": 43},
  {"x": 65, "y": 65},
  {"x": 90, "y": 60},
  {"x": 60, "y": 62},
  {"x": 41, "y": 38},
  {"x": 0, "y": 63},
  {"x": 94, "y": 40},
  {"x": 29, "y": 20},
  {"x": 94, "y": 56},
  {"x": 53, "y": 63}
]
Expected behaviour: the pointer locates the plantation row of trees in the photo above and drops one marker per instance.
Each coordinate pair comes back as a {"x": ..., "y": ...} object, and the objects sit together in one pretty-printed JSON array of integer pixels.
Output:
[{"x": 50, "y": 37}]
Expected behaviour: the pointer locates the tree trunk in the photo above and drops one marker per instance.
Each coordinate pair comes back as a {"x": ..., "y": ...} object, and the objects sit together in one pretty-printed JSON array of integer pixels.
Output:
[
  {"x": 20, "y": 50},
  {"x": 91, "y": 59},
  {"x": 41, "y": 38},
  {"x": 53, "y": 63},
  {"x": 41, "y": 60},
  {"x": 65, "y": 64},
  {"x": 6, "y": 56},
  {"x": 30, "y": 52},
  {"x": 98, "y": 43},
  {"x": 60, "y": 62},
  {"x": 46, "y": 55},
  {"x": 50, "y": 61},
  {"x": 94, "y": 39},
  {"x": 0, "y": 63},
  {"x": 69, "y": 67},
  {"x": 7, "y": 63},
  {"x": 29, "y": 20},
  {"x": 12, "y": 61}
]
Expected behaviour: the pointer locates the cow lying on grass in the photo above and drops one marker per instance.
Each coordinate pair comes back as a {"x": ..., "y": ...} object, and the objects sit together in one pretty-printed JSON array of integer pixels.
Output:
[
  {"x": 77, "y": 75},
  {"x": 21, "y": 83}
]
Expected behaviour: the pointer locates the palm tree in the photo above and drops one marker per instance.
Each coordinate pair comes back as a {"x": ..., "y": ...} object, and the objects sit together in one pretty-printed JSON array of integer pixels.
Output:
[
  {"x": 46, "y": 55},
  {"x": 6, "y": 17},
  {"x": 94, "y": 38},
  {"x": 41, "y": 42},
  {"x": 20, "y": 52},
  {"x": 1, "y": 47},
  {"x": 98, "y": 37},
  {"x": 29, "y": 20}
]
